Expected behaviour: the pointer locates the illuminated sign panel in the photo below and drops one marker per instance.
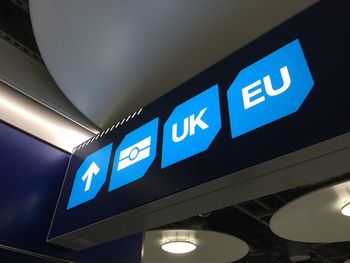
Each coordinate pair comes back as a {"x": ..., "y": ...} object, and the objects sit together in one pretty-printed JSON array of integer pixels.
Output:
[
  {"x": 194, "y": 124},
  {"x": 90, "y": 177},
  {"x": 271, "y": 88},
  {"x": 279, "y": 94},
  {"x": 134, "y": 155},
  {"x": 191, "y": 127}
]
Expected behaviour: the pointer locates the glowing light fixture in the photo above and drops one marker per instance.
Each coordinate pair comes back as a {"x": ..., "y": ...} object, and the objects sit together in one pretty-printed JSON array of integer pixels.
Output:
[
  {"x": 29, "y": 115},
  {"x": 179, "y": 246},
  {"x": 346, "y": 210}
]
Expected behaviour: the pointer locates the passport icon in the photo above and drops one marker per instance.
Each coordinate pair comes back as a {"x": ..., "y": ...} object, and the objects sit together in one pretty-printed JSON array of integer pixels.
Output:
[{"x": 134, "y": 153}]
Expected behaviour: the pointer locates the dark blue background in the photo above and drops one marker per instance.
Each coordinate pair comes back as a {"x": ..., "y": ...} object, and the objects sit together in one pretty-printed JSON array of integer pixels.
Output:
[
  {"x": 31, "y": 175},
  {"x": 324, "y": 35}
]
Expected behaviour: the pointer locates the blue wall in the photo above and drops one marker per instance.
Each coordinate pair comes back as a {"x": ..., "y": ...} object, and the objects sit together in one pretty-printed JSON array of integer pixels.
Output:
[{"x": 31, "y": 175}]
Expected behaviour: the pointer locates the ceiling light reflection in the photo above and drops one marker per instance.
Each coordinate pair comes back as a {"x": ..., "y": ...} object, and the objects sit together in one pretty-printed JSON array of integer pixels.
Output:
[{"x": 21, "y": 111}]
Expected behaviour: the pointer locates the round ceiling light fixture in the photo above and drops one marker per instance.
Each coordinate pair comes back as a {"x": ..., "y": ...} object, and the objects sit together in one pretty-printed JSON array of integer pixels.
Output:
[
  {"x": 179, "y": 246},
  {"x": 196, "y": 245},
  {"x": 346, "y": 210}
]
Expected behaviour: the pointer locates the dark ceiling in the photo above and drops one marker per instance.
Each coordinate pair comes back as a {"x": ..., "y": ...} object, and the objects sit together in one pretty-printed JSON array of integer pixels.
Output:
[
  {"x": 16, "y": 28},
  {"x": 249, "y": 220}
]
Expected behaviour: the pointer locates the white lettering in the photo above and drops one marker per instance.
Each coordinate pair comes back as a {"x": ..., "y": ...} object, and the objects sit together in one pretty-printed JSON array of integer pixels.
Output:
[
  {"x": 175, "y": 136},
  {"x": 286, "y": 83},
  {"x": 246, "y": 95},
  {"x": 197, "y": 121},
  {"x": 192, "y": 122}
]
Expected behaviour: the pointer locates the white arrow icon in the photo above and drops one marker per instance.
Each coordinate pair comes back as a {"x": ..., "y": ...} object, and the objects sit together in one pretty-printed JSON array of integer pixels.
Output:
[{"x": 92, "y": 170}]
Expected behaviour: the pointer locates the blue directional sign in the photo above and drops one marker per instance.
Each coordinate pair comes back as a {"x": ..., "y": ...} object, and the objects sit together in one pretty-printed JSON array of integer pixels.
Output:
[
  {"x": 269, "y": 89},
  {"x": 134, "y": 155},
  {"x": 90, "y": 176},
  {"x": 191, "y": 127},
  {"x": 254, "y": 106}
]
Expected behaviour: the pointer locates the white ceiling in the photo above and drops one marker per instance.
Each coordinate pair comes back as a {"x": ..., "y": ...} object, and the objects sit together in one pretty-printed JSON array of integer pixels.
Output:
[{"x": 112, "y": 57}]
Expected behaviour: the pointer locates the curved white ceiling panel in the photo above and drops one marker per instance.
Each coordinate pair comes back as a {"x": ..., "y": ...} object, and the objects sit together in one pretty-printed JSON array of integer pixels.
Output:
[
  {"x": 111, "y": 57},
  {"x": 31, "y": 78}
]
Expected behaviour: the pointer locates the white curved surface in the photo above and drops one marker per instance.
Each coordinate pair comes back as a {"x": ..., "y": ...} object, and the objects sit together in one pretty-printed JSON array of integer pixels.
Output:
[
  {"x": 31, "y": 78},
  {"x": 112, "y": 57},
  {"x": 315, "y": 217},
  {"x": 211, "y": 247}
]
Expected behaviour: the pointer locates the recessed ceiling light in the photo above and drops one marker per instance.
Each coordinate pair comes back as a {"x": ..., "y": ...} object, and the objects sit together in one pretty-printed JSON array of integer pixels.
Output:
[
  {"x": 179, "y": 247},
  {"x": 346, "y": 210}
]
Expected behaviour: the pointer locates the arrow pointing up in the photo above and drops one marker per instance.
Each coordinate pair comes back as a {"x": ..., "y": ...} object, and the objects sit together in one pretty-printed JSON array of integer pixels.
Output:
[{"x": 91, "y": 171}]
